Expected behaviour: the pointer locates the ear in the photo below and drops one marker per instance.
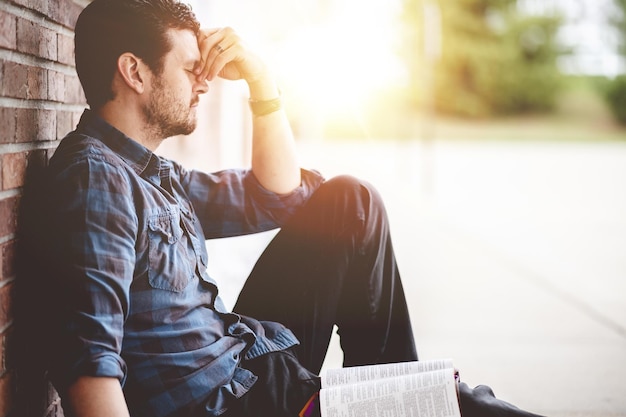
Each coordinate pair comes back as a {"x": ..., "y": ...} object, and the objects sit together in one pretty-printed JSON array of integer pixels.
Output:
[{"x": 132, "y": 71}]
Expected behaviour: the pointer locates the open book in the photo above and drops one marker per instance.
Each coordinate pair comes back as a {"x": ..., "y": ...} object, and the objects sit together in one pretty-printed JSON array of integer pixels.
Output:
[{"x": 407, "y": 389}]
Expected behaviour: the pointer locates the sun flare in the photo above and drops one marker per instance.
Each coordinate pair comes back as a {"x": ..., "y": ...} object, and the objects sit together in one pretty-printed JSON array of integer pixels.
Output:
[
  {"x": 338, "y": 64},
  {"x": 332, "y": 58}
]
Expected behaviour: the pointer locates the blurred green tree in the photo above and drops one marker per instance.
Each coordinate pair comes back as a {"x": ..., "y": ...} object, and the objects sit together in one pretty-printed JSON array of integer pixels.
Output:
[
  {"x": 619, "y": 22},
  {"x": 615, "y": 90},
  {"x": 616, "y": 97},
  {"x": 493, "y": 60}
]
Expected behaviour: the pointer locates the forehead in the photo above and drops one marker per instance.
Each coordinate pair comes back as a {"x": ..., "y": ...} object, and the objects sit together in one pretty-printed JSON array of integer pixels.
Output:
[{"x": 184, "y": 46}]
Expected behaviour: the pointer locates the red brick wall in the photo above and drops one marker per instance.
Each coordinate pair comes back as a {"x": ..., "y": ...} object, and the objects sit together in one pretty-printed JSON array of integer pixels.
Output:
[{"x": 40, "y": 101}]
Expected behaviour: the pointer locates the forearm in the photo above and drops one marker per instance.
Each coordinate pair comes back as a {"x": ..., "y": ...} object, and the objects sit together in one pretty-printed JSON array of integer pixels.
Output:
[
  {"x": 274, "y": 160},
  {"x": 97, "y": 397},
  {"x": 274, "y": 157}
]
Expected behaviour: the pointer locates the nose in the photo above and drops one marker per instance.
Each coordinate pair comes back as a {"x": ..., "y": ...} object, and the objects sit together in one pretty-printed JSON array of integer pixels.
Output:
[{"x": 201, "y": 87}]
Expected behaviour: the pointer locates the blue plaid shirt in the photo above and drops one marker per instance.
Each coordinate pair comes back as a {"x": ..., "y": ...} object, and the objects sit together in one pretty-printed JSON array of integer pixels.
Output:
[{"x": 138, "y": 304}]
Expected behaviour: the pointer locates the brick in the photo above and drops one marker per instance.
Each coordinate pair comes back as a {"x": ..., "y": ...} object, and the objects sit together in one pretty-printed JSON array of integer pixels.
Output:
[
  {"x": 36, "y": 40},
  {"x": 7, "y": 121},
  {"x": 56, "y": 86},
  {"x": 4, "y": 360},
  {"x": 27, "y": 37},
  {"x": 55, "y": 10},
  {"x": 6, "y": 305},
  {"x": 7, "y": 345},
  {"x": 37, "y": 83},
  {"x": 48, "y": 44},
  {"x": 65, "y": 49},
  {"x": 46, "y": 125},
  {"x": 14, "y": 80},
  {"x": 8, "y": 36},
  {"x": 65, "y": 123},
  {"x": 7, "y": 392},
  {"x": 14, "y": 169},
  {"x": 36, "y": 5},
  {"x": 7, "y": 266},
  {"x": 8, "y": 213},
  {"x": 76, "y": 118},
  {"x": 25, "y": 127},
  {"x": 68, "y": 11},
  {"x": 35, "y": 125},
  {"x": 19, "y": 165},
  {"x": 73, "y": 90},
  {"x": 64, "y": 12}
]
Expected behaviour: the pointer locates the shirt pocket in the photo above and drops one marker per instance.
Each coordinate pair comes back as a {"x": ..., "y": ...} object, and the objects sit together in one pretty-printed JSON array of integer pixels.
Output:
[{"x": 169, "y": 265}]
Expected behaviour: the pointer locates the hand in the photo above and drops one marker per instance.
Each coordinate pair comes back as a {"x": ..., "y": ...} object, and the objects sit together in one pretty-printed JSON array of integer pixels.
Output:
[{"x": 224, "y": 54}]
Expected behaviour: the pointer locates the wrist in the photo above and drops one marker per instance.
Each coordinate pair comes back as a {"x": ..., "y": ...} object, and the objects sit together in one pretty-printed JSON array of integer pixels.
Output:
[
  {"x": 265, "y": 96},
  {"x": 265, "y": 92},
  {"x": 263, "y": 87},
  {"x": 264, "y": 107}
]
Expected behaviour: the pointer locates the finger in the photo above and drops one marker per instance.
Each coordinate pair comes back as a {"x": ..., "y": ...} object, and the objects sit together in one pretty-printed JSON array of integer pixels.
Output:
[
  {"x": 216, "y": 52},
  {"x": 205, "y": 44},
  {"x": 222, "y": 54},
  {"x": 207, "y": 40}
]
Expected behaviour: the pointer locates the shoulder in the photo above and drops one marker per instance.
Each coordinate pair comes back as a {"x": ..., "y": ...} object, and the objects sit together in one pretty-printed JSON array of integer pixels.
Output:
[
  {"x": 82, "y": 163},
  {"x": 77, "y": 147}
]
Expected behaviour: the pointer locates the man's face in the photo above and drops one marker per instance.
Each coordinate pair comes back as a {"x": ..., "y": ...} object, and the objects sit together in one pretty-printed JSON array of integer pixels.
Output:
[{"x": 174, "y": 94}]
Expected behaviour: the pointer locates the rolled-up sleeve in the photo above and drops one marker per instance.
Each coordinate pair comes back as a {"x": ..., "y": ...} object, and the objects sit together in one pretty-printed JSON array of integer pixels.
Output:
[{"x": 233, "y": 202}]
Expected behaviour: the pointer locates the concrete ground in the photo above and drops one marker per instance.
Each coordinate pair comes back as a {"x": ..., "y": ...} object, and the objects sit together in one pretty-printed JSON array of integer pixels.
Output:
[{"x": 513, "y": 256}]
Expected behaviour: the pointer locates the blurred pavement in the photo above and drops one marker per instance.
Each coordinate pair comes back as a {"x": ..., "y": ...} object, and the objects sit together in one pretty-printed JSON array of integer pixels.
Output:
[{"x": 513, "y": 257}]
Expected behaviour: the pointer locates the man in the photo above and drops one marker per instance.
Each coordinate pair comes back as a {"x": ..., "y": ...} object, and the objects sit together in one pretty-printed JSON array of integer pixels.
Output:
[{"x": 139, "y": 326}]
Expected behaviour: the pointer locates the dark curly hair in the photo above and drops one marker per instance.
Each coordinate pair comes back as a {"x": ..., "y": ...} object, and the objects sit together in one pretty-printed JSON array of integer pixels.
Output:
[{"x": 108, "y": 28}]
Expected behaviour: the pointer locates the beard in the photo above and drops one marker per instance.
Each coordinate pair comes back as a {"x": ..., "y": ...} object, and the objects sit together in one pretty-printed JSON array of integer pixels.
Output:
[{"x": 167, "y": 115}]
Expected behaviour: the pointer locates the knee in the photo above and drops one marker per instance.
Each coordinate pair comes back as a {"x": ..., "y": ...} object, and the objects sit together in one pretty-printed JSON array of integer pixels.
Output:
[
  {"x": 354, "y": 200},
  {"x": 353, "y": 188}
]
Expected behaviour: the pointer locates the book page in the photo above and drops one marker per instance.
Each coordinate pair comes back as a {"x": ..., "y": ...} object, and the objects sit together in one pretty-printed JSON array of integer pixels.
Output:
[
  {"x": 425, "y": 394},
  {"x": 352, "y": 375}
]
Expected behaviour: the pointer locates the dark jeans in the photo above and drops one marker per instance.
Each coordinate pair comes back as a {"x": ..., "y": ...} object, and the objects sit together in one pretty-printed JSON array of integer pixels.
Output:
[
  {"x": 282, "y": 389},
  {"x": 333, "y": 264}
]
